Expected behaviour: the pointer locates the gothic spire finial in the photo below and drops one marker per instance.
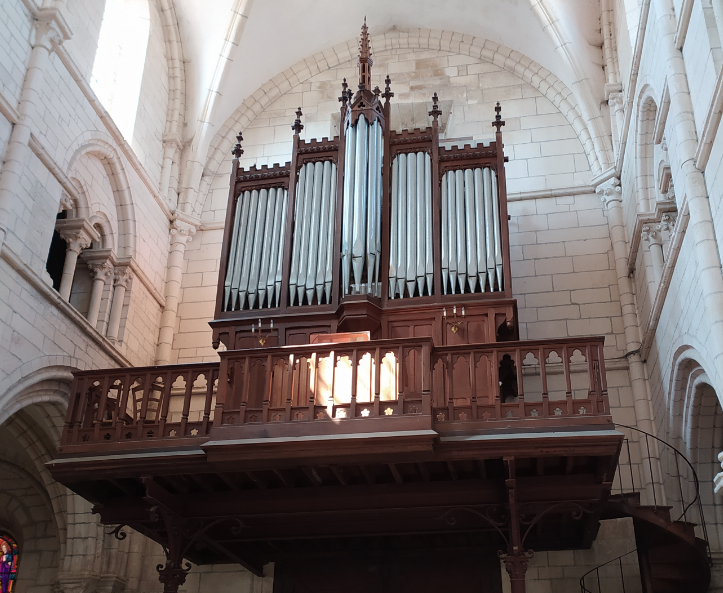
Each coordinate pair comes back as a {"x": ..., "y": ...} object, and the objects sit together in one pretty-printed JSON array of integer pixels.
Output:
[
  {"x": 297, "y": 127},
  {"x": 365, "y": 59},
  {"x": 436, "y": 111},
  {"x": 388, "y": 94},
  {"x": 238, "y": 151},
  {"x": 499, "y": 122},
  {"x": 344, "y": 98}
]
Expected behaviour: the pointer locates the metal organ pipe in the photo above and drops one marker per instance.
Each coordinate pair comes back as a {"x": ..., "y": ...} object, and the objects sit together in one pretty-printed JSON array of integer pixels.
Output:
[
  {"x": 311, "y": 261},
  {"x": 471, "y": 235},
  {"x": 452, "y": 224},
  {"x": 347, "y": 208},
  {"x": 411, "y": 263},
  {"x": 361, "y": 233},
  {"x": 253, "y": 273},
  {"x": 412, "y": 228},
  {"x": 402, "y": 230},
  {"x": 393, "y": 231},
  {"x": 360, "y": 201},
  {"x": 498, "y": 231}
]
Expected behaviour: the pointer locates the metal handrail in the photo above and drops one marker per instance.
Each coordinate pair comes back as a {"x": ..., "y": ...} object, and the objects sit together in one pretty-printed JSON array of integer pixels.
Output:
[
  {"x": 619, "y": 559},
  {"x": 685, "y": 507}
]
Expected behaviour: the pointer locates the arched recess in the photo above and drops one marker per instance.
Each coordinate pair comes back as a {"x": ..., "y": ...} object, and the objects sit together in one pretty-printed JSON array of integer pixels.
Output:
[
  {"x": 125, "y": 210},
  {"x": 33, "y": 419},
  {"x": 484, "y": 49},
  {"x": 27, "y": 516},
  {"x": 644, "y": 150},
  {"x": 102, "y": 224},
  {"x": 176, "y": 70},
  {"x": 120, "y": 60},
  {"x": 695, "y": 426}
]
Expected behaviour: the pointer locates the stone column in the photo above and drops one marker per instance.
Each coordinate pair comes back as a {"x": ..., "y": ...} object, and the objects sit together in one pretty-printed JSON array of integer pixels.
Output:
[
  {"x": 652, "y": 235},
  {"x": 75, "y": 246},
  {"x": 610, "y": 194},
  {"x": 48, "y": 26},
  {"x": 122, "y": 276},
  {"x": 181, "y": 233},
  {"x": 101, "y": 273},
  {"x": 171, "y": 144},
  {"x": 79, "y": 234}
]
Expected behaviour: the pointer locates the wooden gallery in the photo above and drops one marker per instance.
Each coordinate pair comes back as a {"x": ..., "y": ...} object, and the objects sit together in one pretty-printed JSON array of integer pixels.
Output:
[{"x": 374, "y": 422}]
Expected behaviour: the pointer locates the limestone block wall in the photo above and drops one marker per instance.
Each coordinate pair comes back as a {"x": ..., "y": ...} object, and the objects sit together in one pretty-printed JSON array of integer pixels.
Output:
[
  {"x": 14, "y": 49},
  {"x": 702, "y": 60},
  {"x": 560, "y": 572},
  {"x": 117, "y": 183}
]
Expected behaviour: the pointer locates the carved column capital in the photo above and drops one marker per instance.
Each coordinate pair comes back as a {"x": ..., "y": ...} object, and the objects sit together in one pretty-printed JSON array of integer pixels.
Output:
[
  {"x": 651, "y": 234},
  {"x": 610, "y": 191},
  {"x": 78, "y": 233},
  {"x": 66, "y": 203},
  {"x": 49, "y": 27},
  {"x": 122, "y": 276},
  {"x": 101, "y": 271},
  {"x": 667, "y": 222},
  {"x": 615, "y": 101},
  {"x": 182, "y": 232}
]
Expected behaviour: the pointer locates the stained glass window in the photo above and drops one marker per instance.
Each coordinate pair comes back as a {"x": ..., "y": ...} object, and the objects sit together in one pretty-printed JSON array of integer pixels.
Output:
[{"x": 8, "y": 563}]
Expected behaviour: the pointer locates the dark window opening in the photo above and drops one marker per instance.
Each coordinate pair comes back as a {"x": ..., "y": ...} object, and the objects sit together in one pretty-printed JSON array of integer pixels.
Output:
[{"x": 56, "y": 255}]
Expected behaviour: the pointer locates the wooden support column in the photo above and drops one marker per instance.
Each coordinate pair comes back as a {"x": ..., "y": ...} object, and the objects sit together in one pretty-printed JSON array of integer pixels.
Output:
[{"x": 515, "y": 560}]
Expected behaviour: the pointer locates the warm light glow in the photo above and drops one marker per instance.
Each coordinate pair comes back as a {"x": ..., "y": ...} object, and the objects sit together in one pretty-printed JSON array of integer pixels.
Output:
[{"x": 120, "y": 60}]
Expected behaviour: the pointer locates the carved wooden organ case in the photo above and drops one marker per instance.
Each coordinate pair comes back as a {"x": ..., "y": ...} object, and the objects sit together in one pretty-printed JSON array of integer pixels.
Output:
[{"x": 373, "y": 230}]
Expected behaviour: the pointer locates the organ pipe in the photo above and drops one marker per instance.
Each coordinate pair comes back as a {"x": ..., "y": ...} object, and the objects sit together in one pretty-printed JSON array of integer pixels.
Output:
[
  {"x": 471, "y": 233},
  {"x": 361, "y": 214},
  {"x": 411, "y": 263},
  {"x": 254, "y": 270},
  {"x": 312, "y": 247}
]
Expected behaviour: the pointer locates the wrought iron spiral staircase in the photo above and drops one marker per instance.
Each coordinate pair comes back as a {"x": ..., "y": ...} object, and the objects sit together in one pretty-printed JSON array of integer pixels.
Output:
[{"x": 671, "y": 557}]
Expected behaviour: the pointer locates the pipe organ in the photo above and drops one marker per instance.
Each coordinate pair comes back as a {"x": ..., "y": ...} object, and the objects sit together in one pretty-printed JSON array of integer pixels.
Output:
[
  {"x": 312, "y": 254},
  {"x": 361, "y": 246},
  {"x": 471, "y": 238},
  {"x": 357, "y": 229},
  {"x": 253, "y": 273},
  {"x": 411, "y": 260}
]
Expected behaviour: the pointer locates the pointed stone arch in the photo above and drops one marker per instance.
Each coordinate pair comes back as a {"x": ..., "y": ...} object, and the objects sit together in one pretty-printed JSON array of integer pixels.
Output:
[
  {"x": 423, "y": 39},
  {"x": 125, "y": 210},
  {"x": 647, "y": 111}
]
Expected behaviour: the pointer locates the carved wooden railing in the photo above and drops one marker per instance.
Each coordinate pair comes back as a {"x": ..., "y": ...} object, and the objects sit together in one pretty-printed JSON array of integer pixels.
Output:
[
  {"x": 327, "y": 381},
  {"x": 473, "y": 387},
  {"x": 530, "y": 381},
  {"x": 117, "y": 405}
]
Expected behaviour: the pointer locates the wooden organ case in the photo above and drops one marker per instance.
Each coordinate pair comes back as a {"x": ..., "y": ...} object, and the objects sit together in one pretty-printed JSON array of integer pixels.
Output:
[{"x": 373, "y": 230}]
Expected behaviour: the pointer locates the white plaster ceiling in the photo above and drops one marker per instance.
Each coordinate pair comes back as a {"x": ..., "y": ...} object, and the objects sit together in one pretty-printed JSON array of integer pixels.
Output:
[{"x": 279, "y": 33}]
